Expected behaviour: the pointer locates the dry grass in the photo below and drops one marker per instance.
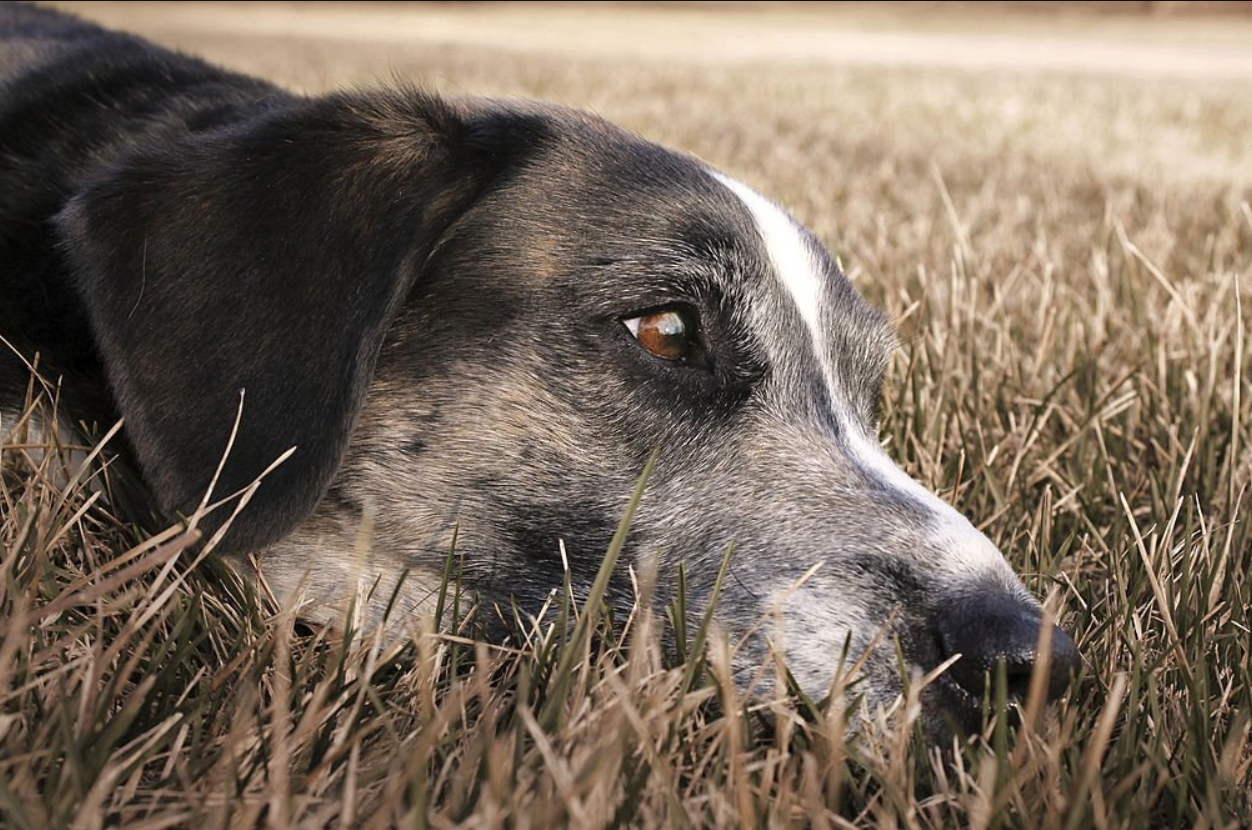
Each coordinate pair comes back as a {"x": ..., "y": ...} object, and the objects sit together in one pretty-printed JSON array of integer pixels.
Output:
[{"x": 1069, "y": 260}]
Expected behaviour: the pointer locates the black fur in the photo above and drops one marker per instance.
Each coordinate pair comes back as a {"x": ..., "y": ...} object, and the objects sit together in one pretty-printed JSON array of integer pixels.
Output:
[{"x": 150, "y": 199}]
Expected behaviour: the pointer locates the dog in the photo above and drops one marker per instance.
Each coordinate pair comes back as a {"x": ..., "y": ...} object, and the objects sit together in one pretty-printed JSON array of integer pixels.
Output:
[{"x": 476, "y": 317}]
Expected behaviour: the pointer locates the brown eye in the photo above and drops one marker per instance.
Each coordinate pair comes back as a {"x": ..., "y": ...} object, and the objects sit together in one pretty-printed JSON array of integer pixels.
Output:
[{"x": 667, "y": 333}]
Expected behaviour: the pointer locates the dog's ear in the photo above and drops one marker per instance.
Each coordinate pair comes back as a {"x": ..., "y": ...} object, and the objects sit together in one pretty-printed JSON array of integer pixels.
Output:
[{"x": 255, "y": 269}]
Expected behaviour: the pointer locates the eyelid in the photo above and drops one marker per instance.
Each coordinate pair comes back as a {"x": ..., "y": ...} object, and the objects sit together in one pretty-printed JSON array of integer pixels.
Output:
[{"x": 690, "y": 312}]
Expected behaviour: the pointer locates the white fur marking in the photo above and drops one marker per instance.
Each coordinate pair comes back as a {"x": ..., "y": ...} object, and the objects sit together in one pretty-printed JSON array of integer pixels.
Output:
[
  {"x": 8, "y": 426},
  {"x": 966, "y": 549},
  {"x": 793, "y": 262},
  {"x": 37, "y": 441},
  {"x": 792, "y": 259}
]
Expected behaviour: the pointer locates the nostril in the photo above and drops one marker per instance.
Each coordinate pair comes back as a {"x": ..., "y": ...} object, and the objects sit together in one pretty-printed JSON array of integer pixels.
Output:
[{"x": 991, "y": 631}]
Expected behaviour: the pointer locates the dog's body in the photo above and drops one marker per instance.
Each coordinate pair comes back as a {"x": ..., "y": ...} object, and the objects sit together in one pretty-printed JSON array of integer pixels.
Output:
[{"x": 475, "y": 315}]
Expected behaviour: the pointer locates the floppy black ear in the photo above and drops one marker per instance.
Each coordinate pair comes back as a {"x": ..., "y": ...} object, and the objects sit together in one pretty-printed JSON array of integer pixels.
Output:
[{"x": 267, "y": 258}]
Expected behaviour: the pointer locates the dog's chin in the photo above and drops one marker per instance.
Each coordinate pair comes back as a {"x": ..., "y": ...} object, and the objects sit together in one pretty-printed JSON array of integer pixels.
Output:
[
  {"x": 949, "y": 711},
  {"x": 948, "y": 716}
]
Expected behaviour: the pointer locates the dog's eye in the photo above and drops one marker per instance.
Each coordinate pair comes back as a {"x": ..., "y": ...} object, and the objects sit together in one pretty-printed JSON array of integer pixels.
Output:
[{"x": 668, "y": 333}]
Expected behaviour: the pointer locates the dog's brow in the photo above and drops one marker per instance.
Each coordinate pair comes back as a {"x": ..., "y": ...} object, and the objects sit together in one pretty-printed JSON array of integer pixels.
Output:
[
  {"x": 794, "y": 264},
  {"x": 789, "y": 252}
]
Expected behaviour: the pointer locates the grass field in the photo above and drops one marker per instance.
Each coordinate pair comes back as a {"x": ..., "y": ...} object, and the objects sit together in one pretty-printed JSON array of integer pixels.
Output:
[{"x": 1066, "y": 247}]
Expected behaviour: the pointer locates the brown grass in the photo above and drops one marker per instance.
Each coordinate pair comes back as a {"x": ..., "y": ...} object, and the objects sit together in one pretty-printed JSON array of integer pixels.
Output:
[{"x": 1068, "y": 256}]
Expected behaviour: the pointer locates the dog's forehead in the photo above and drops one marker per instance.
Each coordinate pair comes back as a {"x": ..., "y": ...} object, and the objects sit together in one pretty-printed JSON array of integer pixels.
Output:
[
  {"x": 815, "y": 306},
  {"x": 766, "y": 267},
  {"x": 631, "y": 223}
]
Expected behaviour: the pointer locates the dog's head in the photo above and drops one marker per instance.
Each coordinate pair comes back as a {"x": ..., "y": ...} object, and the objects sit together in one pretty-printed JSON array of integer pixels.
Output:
[{"x": 487, "y": 316}]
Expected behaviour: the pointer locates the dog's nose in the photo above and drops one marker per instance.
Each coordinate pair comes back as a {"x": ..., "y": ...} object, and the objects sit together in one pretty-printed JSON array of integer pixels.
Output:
[{"x": 986, "y": 631}]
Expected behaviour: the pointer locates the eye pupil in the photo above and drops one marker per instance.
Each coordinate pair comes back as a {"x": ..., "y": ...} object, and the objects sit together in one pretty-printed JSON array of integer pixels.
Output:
[{"x": 663, "y": 333}]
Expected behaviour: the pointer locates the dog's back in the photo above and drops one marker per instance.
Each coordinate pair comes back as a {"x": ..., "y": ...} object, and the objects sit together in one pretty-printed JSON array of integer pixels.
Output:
[
  {"x": 32, "y": 42},
  {"x": 74, "y": 99},
  {"x": 30, "y": 37}
]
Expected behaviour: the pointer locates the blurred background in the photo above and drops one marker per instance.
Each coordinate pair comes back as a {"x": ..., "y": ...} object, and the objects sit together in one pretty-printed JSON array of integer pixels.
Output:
[
  {"x": 1048, "y": 78},
  {"x": 1160, "y": 38}
]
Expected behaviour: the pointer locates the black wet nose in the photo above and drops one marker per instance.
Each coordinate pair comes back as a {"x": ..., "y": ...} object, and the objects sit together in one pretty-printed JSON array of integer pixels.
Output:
[{"x": 988, "y": 630}]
